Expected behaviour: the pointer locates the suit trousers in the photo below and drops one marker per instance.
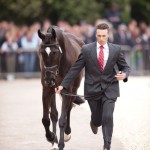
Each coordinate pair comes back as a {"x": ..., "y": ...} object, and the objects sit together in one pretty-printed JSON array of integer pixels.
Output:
[{"x": 102, "y": 114}]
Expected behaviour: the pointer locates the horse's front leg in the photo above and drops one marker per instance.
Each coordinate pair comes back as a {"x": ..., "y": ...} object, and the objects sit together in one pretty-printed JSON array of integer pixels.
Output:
[
  {"x": 63, "y": 120},
  {"x": 67, "y": 134},
  {"x": 46, "y": 120},
  {"x": 54, "y": 118}
]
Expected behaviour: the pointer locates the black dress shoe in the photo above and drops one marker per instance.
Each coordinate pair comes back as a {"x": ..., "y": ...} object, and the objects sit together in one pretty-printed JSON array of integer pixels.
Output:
[
  {"x": 94, "y": 128},
  {"x": 105, "y": 148}
]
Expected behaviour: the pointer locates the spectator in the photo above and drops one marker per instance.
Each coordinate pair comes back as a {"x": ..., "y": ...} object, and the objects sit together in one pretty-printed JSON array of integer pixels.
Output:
[
  {"x": 113, "y": 15},
  {"x": 35, "y": 28},
  {"x": 136, "y": 43},
  {"x": 64, "y": 25},
  {"x": 19, "y": 56},
  {"x": 4, "y": 27},
  {"x": 29, "y": 45},
  {"x": 8, "y": 50},
  {"x": 145, "y": 30},
  {"x": 121, "y": 37},
  {"x": 87, "y": 31},
  {"x": 131, "y": 26},
  {"x": 45, "y": 25}
]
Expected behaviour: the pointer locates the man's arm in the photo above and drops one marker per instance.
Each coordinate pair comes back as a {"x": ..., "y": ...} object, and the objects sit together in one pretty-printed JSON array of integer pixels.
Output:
[
  {"x": 123, "y": 67},
  {"x": 72, "y": 74}
]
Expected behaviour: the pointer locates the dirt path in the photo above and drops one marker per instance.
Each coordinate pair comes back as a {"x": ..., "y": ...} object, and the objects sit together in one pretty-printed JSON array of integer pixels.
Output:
[{"x": 21, "y": 113}]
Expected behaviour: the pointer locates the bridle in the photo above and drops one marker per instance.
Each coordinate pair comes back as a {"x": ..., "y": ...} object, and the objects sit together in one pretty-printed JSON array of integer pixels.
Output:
[
  {"x": 54, "y": 70},
  {"x": 50, "y": 69}
]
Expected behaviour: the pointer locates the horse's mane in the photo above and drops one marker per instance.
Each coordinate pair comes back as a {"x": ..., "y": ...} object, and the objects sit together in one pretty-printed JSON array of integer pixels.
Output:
[{"x": 70, "y": 44}]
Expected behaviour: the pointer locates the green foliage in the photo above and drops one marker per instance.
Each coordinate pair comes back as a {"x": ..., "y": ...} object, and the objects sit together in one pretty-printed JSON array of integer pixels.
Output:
[
  {"x": 141, "y": 10},
  {"x": 28, "y": 11},
  {"x": 123, "y": 7},
  {"x": 73, "y": 11},
  {"x": 20, "y": 11}
]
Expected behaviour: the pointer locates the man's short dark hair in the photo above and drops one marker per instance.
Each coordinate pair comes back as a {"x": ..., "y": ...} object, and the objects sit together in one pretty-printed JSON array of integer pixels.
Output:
[{"x": 102, "y": 26}]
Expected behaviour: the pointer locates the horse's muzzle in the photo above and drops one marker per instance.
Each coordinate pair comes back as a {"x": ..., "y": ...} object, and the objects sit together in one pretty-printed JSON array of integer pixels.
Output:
[{"x": 50, "y": 82}]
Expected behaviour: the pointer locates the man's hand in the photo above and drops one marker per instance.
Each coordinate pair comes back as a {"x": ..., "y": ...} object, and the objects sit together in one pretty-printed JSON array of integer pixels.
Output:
[
  {"x": 120, "y": 75},
  {"x": 58, "y": 89}
]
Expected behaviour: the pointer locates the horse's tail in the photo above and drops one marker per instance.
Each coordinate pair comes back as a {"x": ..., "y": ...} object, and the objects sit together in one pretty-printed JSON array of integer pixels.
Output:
[{"x": 78, "y": 100}]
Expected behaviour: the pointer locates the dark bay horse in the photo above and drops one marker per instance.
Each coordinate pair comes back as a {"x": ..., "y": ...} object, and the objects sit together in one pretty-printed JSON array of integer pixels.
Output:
[{"x": 58, "y": 52}]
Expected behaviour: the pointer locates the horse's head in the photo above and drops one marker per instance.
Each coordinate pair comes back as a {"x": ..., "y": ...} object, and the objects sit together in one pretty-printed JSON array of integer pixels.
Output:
[{"x": 51, "y": 53}]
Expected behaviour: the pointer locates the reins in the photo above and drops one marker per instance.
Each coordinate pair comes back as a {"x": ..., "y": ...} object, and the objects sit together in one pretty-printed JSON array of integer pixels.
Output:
[{"x": 64, "y": 92}]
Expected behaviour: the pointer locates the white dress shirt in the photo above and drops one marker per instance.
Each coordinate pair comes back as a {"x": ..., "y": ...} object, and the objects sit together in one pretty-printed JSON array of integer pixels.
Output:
[{"x": 105, "y": 50}]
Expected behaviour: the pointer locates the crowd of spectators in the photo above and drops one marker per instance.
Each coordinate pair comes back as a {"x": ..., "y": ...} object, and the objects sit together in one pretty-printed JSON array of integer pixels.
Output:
[{"x": 19, "y": 44}]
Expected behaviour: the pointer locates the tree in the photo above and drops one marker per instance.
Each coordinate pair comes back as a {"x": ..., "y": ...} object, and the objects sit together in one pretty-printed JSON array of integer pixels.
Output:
[
  {"x": 20, "y": 11},
  {"x": 76, "y": 10},
  {"x": 73, "y": 11},
  {"x": 123, "y": 7},
  {"x": 70, "y": 10},
  {"x": 140, "y": 10}
]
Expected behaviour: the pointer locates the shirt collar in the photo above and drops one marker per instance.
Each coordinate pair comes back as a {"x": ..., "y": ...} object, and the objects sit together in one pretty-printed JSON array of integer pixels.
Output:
[{"x": 105, "y": 45}]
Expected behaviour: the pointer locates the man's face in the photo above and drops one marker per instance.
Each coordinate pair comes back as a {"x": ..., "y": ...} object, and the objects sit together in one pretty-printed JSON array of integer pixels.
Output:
[{"x": 102, "y": 36}]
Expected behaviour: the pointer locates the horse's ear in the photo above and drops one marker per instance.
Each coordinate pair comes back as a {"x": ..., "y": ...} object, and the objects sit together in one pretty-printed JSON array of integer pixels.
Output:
[
  {"x": 41, "y": 35},
  {"x": 54, "y": 33}
]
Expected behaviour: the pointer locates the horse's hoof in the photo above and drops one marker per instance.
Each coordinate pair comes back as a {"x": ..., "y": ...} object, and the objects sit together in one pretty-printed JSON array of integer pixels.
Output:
[
  {"x": 67, "y": 137},
  {"x": 55, "y": 147},
  {"x": 51, "y": 138}
]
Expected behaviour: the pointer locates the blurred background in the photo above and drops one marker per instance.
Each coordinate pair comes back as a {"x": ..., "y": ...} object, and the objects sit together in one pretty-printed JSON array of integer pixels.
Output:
[{"x": 129, "y": 21}]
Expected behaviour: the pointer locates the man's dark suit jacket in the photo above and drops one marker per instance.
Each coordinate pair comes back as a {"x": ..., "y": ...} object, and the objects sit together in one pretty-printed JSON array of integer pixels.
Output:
[{"x": 95, "y": 80}]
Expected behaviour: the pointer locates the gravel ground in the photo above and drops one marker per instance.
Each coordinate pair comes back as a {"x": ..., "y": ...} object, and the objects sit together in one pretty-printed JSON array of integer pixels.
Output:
[{"x": 21, "y": 113}]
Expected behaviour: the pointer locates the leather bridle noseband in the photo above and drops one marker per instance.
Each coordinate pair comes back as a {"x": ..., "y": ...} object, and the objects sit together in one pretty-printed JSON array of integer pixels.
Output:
[{"x": 49, "y": 45}]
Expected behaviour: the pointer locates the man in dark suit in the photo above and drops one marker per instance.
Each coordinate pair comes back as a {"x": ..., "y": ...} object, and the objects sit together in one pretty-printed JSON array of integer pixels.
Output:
[{"x": 100, "y": 60}]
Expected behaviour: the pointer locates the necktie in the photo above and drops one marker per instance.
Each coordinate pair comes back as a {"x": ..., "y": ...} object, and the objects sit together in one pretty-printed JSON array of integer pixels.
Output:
[{"x": 101, "y": 58}]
